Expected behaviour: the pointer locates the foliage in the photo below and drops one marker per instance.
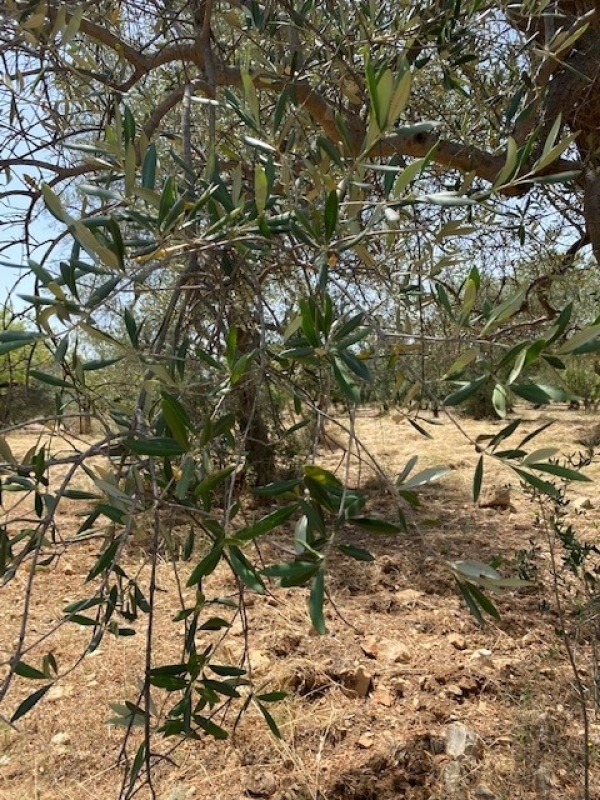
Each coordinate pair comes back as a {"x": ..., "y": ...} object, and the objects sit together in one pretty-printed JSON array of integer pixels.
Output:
[
  {"x": 581, "y": 378},
  {"x": 250, "y": 211}
]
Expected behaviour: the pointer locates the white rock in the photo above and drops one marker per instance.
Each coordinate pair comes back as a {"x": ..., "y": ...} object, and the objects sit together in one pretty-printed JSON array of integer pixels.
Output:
[
  {"x": 462, "y": 741},
  {"x": 581, "y": 504},
  {"x": 483, "y": 655},
  {"x": 452, "y": 778}
]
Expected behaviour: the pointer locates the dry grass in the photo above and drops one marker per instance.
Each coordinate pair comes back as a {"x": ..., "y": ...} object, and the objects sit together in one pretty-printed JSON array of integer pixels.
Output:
[{"x": 521, "y": 700}]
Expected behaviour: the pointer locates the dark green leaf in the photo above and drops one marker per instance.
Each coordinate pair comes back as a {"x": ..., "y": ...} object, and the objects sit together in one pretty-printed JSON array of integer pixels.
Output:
[
  {"x": 29, "y": 703},
  {"x": 278, "y": 488},
  {"x": 51, "y": 380},
  {"x": 357, "y": 365},
  {"x": 269, "y": 720},
  {"x": 167, "y": 199},
  {"x": 328, "y": 147},
  {"x": 207, "y": 565},
  {"x": 561, "y": 472},
  {"x": 316, "y": 600},
  {"x": 345, "y": 381},
  {"x": 149, "y": 167},
  {"x": 176, "y": 418},
  {"x": 420, "y": 429},
  {"x": 483, "y": 601},
  {"x": 536, "y": 432},
  {"x": 357, "y": 553},
  {"x": 465, "y": 391},
  {"x": 102, "y": 292},
  {"x": 507, "y": 431},
  {"x": 543, "y": 486},
  {"x": 296, "y": 573},
  {"x": 214, "y": 624},
  {"x": 227, "y": 671},
  {"x": 104, "y": 561},
  {"x": 222, "y": 688},
  {"x": 464, "y": 590},
  {"x": 170, "y": 683},
  {"x": 157, "y": 446},
  {"x": 137, "y": 764},
  {"x": 210, "y": 727},
  {"x": 266, "y": 524},
  {"x": 330, "y": 215},
  {"x": 27, "y": 671},
  {"x": 245, "y": 571},
  {"x": 376, "y": 525},
  {"x": 531, "y": 392},
  {"x": 100, "y": 363},
  {"x": 477, "y": 478},
  {"x": 271, "y": 697}
]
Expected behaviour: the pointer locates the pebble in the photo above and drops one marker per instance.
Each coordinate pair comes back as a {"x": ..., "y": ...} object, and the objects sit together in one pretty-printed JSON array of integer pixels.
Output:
[
  {"x": 366, "y": 741},
  {"x": 261, "y": 783},
  {"x": 383, "y": 697},
  {"x": 462, "y": 741},
  {"x": 457, "y": 641},
  {"x": 399, "y": 653},
  {"x": 483, "y": 792}
]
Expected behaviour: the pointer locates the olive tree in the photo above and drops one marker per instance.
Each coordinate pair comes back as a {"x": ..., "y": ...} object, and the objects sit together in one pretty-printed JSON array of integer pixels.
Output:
[{"x": 235, "y": 207}]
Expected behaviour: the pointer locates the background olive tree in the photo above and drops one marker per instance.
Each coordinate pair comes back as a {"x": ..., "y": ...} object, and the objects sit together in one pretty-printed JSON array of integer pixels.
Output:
[{"x": 234, "y": 214}]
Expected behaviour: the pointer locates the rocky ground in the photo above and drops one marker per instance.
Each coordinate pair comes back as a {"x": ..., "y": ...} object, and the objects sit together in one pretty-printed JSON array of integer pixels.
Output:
[{"x": 405, "y": 697}]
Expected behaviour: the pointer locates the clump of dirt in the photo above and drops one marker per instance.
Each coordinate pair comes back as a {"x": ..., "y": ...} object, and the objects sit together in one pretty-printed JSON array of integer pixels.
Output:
[{"x": 410, "y": 771}]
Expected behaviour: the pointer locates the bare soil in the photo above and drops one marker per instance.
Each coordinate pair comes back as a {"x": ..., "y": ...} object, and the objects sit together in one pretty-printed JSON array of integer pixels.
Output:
[{"x": 370, "y": 704}]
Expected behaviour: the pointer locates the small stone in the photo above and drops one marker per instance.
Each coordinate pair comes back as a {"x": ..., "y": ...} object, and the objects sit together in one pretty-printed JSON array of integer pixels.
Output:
[
  {"x": 529, "y": 638},
  {"x": 398, "y": 653},
  {"x": 260, "y": 662},
  {"x": 543, "y": 782},
  {"x": 482, "y": 655},
  {"x": 581, "y": 504},
  {"x": 452, "y": 778},
  {"x": 177, "y": 792},
  {"x": 400, "y": 687},
  {"x": 408, "y": 597},
  {"x": 483, "y": 792},
  {"x": 495, "y": 497},
  {"x": 454, "y": 690},
  {"x": 366, "y": 741},
  {"x": 462, "y": 741},
  {"x": 457, "y": 641},
  {"x": 370, "y": 647},
  {"x": 68, "y": 570},
  {"x": 261, "y": 783},
  {"x": 61, "y": 738},
  {"x": 362, "y": 682},
  {"x": 383, "y": 697},
  {"x": 57, "y": 692}
]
